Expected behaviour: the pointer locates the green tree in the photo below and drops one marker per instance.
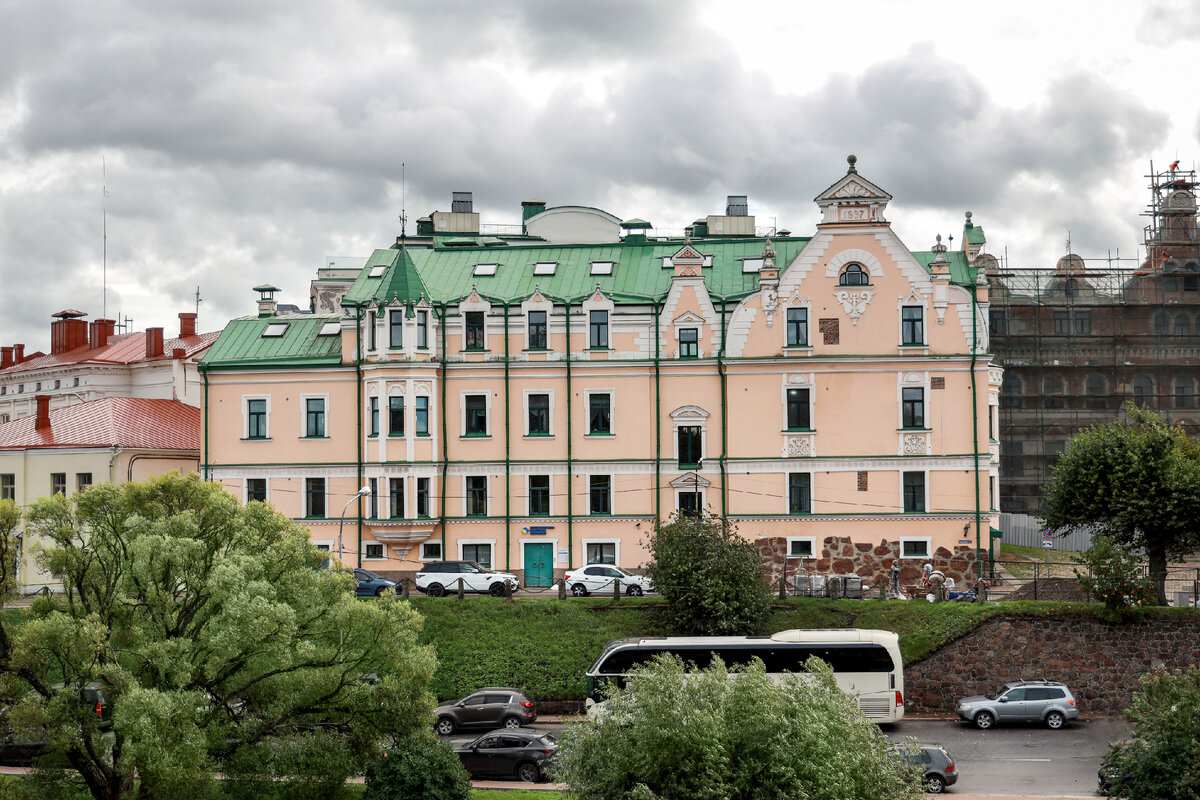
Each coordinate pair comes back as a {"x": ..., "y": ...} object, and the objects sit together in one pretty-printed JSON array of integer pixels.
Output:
[
  {"x": 219, "y": 644},
  {"x": 1136, "y": 481},
  {"x": 1114, "y": 576},
  {"x": 418, "y": 767},
  {"x": 717, "y": 735},
  {"x": 710, "y": 577},
  {"x": 1161, "y": 760}
]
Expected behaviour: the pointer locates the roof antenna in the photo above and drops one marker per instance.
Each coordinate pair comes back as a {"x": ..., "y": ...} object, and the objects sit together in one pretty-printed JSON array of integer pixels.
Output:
[
  {"x": 199, "y": 300},
  {"x": 104, "y": 235},
  {"x": 403, "y": 203}
]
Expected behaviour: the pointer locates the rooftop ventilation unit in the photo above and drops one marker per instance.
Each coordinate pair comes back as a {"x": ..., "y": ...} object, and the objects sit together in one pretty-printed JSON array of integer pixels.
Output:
[
  {"x": 736, "y": 205},
  {"x": 461, "y": 202}
]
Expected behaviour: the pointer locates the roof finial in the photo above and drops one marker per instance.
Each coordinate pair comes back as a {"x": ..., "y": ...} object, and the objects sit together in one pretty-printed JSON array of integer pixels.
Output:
[
  {"x": 939, "y": 248},
  {"x": 851, "y": 160}
]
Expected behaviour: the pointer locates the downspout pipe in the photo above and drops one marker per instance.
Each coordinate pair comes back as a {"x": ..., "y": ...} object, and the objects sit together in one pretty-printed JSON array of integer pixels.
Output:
[
  {"x": 507, "y": 452},
  {"x": 204, "y": 422},
  {"x": 724, "y": 412},
  {"x": 442, "y": 415},
  {"x": 570, "y": 467},
  {"x": 975, "y": 423},
  {"x": 358, "y": 386},
  {"x": 657, "y": 415}
]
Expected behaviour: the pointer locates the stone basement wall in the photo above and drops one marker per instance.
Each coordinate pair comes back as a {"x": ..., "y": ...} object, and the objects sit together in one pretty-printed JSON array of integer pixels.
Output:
[
  {"x": 1100, "y": 662},
  {"x": 841, "y": 556}
]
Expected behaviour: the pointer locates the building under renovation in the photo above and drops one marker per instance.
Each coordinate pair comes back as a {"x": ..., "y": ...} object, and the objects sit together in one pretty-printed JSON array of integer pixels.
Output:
[{"x": 1079, "y": 341}]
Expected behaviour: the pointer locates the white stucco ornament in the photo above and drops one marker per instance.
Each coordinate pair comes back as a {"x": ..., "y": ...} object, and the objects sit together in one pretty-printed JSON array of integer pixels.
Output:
[{"x": 854, "y": 302}]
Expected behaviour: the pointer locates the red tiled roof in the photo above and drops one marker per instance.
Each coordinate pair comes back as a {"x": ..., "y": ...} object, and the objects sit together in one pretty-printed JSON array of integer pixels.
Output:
[
  {"x": 126, "y": 348},
  {"x": 111, "y": 422}
]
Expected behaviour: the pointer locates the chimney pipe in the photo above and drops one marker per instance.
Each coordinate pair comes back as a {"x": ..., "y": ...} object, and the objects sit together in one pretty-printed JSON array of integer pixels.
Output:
[
  {"x": 18, "y": 353},
  {"x": 154, "y": 342},
  {"x": 187, "y": 324},
  {"x": 178, "y": 353},
  {"x": 102, "y": 331},
  {"x": 6, "y": 357},
  {"x": 43, "y": 412}
]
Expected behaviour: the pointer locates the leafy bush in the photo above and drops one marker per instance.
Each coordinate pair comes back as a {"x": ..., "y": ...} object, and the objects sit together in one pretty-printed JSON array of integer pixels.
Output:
[
  {"x": 419, "y": 767},
  {"x": 1161, "y": 761},
  {"x": 1114, "y": 576},
  {"x": 734, "y": 736},
  {"x": 710, "y": 577}
]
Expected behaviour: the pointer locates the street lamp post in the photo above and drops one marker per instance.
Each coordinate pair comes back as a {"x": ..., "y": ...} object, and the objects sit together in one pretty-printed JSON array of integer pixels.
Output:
[{"x": 363, "y": 492}]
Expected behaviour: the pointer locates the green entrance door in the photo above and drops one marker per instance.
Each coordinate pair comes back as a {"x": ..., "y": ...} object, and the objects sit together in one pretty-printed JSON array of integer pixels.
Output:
[{"x": 539, "y": 564}]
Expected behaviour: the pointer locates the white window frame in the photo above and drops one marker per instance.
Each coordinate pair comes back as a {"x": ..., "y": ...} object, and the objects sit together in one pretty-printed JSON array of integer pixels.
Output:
[
  {"x": 927, "y": 395},
  {"x": 388, "y": 496},
  {"x": 366, "y": 557},
  {"x": 331, "y": 328},
  {"x": 602, "y": 267},
  {"x": 787, "y": 492},
  {"x": 612, "y": 493},
  {"x": 246, "y": 488},
  {"x": 273, "y": 330},
  {"x": 423, "y": 556},
  {"x": 612, "y": 541},
  {"x": 330, "y": 544},
  {"x": 812, "y": 546},
  {"x": 545, "y": 267},
  {"x": 550, "y": 507},
  {"x": 808, "y": 333},
  {"x": 703, "y": 497},
  {"x": 371, "y": 329},
  {"x": 928, "y": 540},
  {"x": 908, "y": 302},
  {"x": 808, "y": 384},
  {"x": 472, "y": 306},
  {"x": 485, "y": 268},
  {"x": 587, "y": 413},
  {"x": 304, "y": 398},
  {"x": 490, "y": 542},
  {"x": 679, "y": 421},
  {"x": 403, "y": 334},
  {"x": 246, "y": 398},
  {"x": 462, "y": 413},
  {"x": 900, "y": 475},
  {"x": 752, "y": 264},
  {"x": 525, "y": 411},
  {"x": 304, "y": 495},
  {"x": 487, "y": 490}
]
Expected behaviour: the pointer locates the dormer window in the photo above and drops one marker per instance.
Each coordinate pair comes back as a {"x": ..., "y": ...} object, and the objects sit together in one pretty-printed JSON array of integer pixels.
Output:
[
  {"x": 275, "y": 329},
  {"x": 330, "y": 329},
  {"x": 485, "y": 269},
  {"x": 752, "y": 264},
  {"x": 602, "y": 268},
  {"x": 377, "y": 271},
  {"x": 545, "y": 267},
  {"x": 855, "y": 275}
]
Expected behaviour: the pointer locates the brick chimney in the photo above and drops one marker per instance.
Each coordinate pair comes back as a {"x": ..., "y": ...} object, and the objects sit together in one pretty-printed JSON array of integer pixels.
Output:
[
  {"x": 43, "y": 412},
  {"x": 68, "y": 331},
  {"x": 100, "y": 332},
  {"x": 187, "y": 324},
  {"x": 18, "y": 353},
  {"x": 178, "y": 353},
  {"x": 154, "y": 342},
  {"x": 6, "y": 357}
]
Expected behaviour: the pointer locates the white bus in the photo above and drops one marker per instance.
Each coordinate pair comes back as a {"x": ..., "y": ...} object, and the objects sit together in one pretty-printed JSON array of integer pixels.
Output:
[{"x": 866, "y": 663}]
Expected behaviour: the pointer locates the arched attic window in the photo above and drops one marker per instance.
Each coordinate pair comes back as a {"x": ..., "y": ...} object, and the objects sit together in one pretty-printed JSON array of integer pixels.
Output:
[{"x": 854, "y": 275}]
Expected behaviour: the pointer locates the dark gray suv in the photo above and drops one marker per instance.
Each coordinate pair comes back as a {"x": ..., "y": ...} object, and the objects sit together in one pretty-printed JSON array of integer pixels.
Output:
[
  {"x": 490, "y": 707},
  {"x": 1048, "y": 702}
]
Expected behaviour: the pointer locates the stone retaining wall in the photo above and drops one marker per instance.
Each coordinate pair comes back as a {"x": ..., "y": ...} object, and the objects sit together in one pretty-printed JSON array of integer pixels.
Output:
[
  {"x": 842, "y": 556},
  {"x": 1100, "y": 662}
]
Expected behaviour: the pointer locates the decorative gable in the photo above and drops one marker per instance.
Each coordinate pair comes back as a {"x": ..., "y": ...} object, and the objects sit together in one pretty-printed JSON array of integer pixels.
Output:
[{"x": 853, "y": 199}]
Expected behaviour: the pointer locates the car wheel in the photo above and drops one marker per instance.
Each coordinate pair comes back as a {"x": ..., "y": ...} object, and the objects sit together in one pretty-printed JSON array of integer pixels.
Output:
[
  {"x": 579, "y": 590},
  {"x": 445, "y": 726},
  {"x": 934, "y": 784},
  {"x": 634, "y": 591},
  {"x": 529, "y": 772},
  {"x": 435, "y": 590},
  {"x": 512, "y": 723},
  {"x": 1055, "y": 720},
  {"x": 379, "y": 592},
  {"x": 984, "y": 720},
  {"x": 496, "y": 589}
]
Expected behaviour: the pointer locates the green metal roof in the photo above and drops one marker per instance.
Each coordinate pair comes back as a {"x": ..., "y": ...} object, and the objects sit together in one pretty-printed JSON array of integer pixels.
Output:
[
  {"x": 961, "y": 272},
  {"x": 399, "y": 280},
  {"x": 242, "y": 342},
  {"x": 974, "y": 235}
]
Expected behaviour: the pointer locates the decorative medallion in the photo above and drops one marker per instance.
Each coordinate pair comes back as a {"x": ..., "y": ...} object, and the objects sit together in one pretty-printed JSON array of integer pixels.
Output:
[{"x": 854, "y": 302}]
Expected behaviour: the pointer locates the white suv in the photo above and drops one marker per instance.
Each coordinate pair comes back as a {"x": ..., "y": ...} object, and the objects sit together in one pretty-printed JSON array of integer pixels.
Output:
[
  {"x": 600, "y": 577},
  {"x": 439, "y": 577}
]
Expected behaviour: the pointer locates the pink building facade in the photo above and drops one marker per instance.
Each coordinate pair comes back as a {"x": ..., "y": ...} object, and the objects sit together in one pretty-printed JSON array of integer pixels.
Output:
[{"x": 534, "y": 403}]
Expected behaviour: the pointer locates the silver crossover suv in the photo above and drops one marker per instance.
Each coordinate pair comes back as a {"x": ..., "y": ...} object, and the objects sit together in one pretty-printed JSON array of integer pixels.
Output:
[{"x": 1050, "y": 702}]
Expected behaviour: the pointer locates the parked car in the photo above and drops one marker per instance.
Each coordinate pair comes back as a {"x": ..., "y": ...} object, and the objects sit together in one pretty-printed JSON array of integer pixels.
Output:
[
  {"x": 1048, "y": 702},
  {"x": 934, "y": 761},
  {"x": 490, "y": 707},
  {"x": 21, "y": 749},
  {"x": 600, "y": 577},
  {"x": 372, "y": 585},
  {"x": 438, "y": 577},
  {"x": 525, "y": 754}
]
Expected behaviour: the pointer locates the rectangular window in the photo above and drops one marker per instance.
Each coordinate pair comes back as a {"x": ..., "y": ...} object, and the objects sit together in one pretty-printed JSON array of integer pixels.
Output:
[
  {"x": 601, "y": 553},
  {"x": 374, "y": 415},
  {"x": 395, "y": 416},
  {"x": 422, "y": 330},
  {"x": 912, "y": 325},
  {"x": 423, "y": 498},
  {"x": 689, "y": 503},
  {"x": 689, "y": 343},
  {"x": 600, "y": 492},
  {"x": 539, "y": 415},
  {"x": 373, "y": 498},
  {"x": 474, "y": 330},
  {"x": 479, "y": 553},
  {"x": 396, "y": 328},
  {"x": 689, "y": 446},
  {"x": 914, "y": 492},
  {"x": 431, "y": 551},
  {"x": 797, "y": 327},
  {"x": 537, "y": 330},
  {"x": 314, "y": 498},
  {"x": 539, "y": 495},
  {"x": 373, "y": 551},
  {"x": 912, "y": 408},
  {"x": 914, "y": 547},
  {"x": 997, "y": 322},
  {"x": 8, "y": 486},
  {"x": 599, "y": 414},
  {"x": 82, "y": 480},
  {"x": 256, "y": 419},
  {"x": 1083, "y": 323},
  {"x": 1062, "y": 322},
  {"x": 476, "y": 495},
  {"x": 799, "y": 493},
  {"x": 396, "y": 497},
  {"x": 801, "y": 547},
  {"x": 476, "y": 410},
  {"x": 798, "y": 412},
  {"x": 314, "y": 417},
  {"x": 598, "y": 330},
  {"x": 371, "y": 330},
  {"x": 256, "y": 490},
  {"x": 58, "y": 483},
  {"x": 422, "y": 415}
]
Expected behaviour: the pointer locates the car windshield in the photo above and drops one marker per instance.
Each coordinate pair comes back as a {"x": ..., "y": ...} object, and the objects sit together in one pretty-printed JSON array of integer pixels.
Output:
[
  {"x": 996, "y": 694},
  {"x": 474, "y": 566},
  {"x": 549, "y": 738}
]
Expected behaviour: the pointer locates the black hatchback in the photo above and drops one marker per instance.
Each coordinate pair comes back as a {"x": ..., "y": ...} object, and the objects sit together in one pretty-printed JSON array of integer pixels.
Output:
[{"x": 525, "y": 755}]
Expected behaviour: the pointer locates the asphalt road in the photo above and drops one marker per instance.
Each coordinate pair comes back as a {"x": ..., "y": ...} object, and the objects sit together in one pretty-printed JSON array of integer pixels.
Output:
[{"x": 1028, "y": 761}]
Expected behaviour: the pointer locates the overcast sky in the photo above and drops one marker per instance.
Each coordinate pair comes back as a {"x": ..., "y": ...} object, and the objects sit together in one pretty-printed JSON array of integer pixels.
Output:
[{"x": 247, "y": 141}]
